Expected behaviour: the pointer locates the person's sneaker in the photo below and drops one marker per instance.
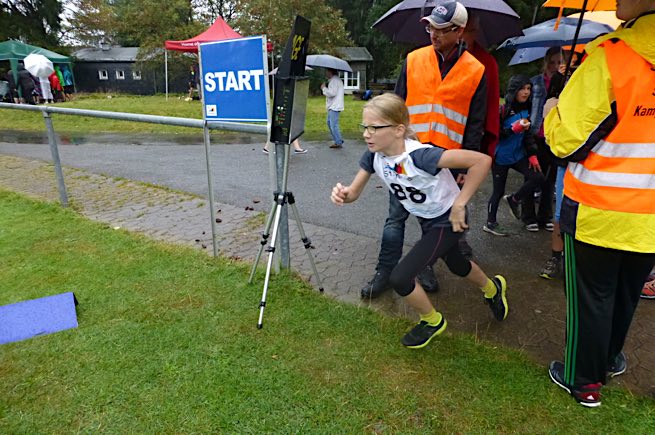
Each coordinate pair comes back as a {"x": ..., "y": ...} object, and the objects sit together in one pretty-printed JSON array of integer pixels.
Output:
[
  {"x": 495, "y": 229},
  {"x": 335, "y": 146},
  {"x": 648, "y": 291},
  {"x": 514, "y": 206},
  {"x": 300, "y": 151},
  {"x": 552, "y": 268},
  {"x": 498, "y": 303},
  {"x": 619, "y": 366},
  {"x": 428, "y": 280},
  {"x": 421, "y": 334},
  {"x": 264, "y": 150},
  {"x": 586, "y": 395},
  {"x": 532, "y": 227},
  {"x": 375, "y": 287},
  {"x": 548, "y": 226}
]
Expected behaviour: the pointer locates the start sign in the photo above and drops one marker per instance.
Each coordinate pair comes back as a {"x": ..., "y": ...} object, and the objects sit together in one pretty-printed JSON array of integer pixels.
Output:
[{"x": 234, "y": 79}]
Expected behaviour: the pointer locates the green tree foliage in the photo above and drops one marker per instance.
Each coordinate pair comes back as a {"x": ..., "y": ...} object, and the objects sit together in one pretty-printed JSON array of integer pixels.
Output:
[
  {"x": 93, "y": 22},
  {"x": 209, "y": 10},
  {"x": 360, "y": 16},
  {"x": 36, "y": 22},
  {"x": 275, "y": 18}
]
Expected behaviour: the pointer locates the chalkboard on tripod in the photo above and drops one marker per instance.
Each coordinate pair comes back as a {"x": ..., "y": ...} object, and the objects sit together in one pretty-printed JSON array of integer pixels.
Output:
[{"x": 291, "y": 86}]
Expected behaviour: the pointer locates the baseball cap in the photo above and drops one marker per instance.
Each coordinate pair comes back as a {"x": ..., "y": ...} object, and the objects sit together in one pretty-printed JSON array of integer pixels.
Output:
[{"x": 447, "y": 13}]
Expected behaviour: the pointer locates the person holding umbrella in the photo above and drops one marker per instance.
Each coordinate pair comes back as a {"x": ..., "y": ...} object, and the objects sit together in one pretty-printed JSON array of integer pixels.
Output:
[
  {"x": 603, "y": 124},
  {"x": 334, "y": 104},
  {"x": 445, "y": 90}
]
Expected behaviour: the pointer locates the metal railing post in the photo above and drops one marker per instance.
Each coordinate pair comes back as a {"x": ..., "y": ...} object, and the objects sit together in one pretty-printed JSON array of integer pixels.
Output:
[
  {"x": 210, "y": 183},
  {"x": 59, "y": 174}
]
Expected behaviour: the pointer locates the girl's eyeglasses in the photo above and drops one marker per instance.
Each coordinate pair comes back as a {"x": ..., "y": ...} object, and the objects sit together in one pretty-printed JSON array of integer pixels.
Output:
[{"x": 371, "y": 129}]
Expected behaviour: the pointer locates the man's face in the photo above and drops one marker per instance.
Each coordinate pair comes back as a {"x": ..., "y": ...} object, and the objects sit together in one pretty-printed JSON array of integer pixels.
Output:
[
  {"x": 629, "y": 9},
  {"x": 443, "y": 40}
]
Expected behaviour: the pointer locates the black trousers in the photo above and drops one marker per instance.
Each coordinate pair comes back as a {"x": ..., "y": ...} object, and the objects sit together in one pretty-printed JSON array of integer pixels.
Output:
[
  {"x": 533, "y": 179},
  {"x": 436, "y": 243},
  {"x": 549, "y": 170},
  {"x": 602, "y": 292}
]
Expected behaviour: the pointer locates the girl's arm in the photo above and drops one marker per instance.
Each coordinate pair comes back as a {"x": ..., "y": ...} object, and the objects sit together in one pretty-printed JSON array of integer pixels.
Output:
[
  {"x": 344, "y": 194},
  {"x": 477, "y": 166}
]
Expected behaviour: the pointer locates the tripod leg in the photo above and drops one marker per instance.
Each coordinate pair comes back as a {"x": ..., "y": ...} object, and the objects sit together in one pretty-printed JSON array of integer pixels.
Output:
[
  {"x": 305, "y": 239},
  {"x": 271, "y": 251},
  {"x": 265, "y": 235}
]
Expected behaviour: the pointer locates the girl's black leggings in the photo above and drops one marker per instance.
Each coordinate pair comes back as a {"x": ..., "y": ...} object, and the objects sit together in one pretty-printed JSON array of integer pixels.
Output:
[{"x": 435, "y": 243}]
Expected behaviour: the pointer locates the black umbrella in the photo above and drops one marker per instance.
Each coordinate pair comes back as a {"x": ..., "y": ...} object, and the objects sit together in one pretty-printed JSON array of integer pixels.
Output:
[{"x": 402, "y": 23}]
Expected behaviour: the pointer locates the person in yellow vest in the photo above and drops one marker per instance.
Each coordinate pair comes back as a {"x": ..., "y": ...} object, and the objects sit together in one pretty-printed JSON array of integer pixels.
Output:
[
  {"x": 445, "y": 90},
  {"x": 604, "y": 125}
]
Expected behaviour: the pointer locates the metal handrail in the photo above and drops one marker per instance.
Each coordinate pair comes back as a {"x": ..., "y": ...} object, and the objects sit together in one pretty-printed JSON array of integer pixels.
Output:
[{"x": 139, "y": 117}]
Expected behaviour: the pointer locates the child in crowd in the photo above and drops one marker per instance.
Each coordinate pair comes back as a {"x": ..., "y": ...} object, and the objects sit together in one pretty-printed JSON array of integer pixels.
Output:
[
  {"x": 515, "y": 150},
  {"x": 413, "y": 173}
]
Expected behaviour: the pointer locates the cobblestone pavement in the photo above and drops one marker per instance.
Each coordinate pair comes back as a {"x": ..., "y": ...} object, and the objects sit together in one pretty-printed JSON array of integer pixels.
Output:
[{"x": 344, "y": 261}]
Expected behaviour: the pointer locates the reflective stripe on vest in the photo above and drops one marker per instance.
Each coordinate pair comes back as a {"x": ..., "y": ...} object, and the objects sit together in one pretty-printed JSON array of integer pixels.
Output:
[
  {"x": 618, "y": 174},
  {"x": 438, "y": 109}
]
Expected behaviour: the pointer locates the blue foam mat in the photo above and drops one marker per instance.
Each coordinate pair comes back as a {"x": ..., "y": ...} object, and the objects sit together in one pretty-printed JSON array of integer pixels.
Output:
[{"x": 41, "y": 316}]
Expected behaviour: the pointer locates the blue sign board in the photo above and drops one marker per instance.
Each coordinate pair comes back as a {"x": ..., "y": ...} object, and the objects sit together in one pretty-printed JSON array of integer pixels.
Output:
[{"x": 234, "y": 79}]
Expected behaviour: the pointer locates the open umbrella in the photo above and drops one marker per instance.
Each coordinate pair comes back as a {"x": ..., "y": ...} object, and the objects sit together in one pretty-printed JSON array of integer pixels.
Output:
[
  {"x": 584, "y": 5},
  {"x": 402, "y": 23},
  {"x": 545, "y": 35},
  {"x": 525, "y": 55},
  {"x": 38, "y": 65},
  {"x": 327, "y": 61},
  {"x": 591, "y": 5}
]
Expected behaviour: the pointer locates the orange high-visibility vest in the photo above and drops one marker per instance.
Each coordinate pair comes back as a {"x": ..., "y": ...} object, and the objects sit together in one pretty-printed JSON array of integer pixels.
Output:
[
  {"x": 614, "y": 187},
  {"x": 618, "y": 175},
  {"x": 438, "y": 109}
]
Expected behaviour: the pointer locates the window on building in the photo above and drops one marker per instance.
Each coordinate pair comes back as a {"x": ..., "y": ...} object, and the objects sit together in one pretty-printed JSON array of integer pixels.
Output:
[
  {"x": 102, "y": 74},
  {"x": 136, "y": 75},
  {"x": 120, "y": 74},
  {"x": 350, "y": 80}
]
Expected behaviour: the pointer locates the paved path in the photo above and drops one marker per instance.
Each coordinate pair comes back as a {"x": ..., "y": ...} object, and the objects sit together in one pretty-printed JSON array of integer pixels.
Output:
[{"x": 345, "y": 260}]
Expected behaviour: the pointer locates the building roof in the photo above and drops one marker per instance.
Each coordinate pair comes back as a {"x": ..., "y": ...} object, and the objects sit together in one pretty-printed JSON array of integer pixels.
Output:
[
  {"x": 355, "y": 54},
  {"x": 107, "y": 54}
]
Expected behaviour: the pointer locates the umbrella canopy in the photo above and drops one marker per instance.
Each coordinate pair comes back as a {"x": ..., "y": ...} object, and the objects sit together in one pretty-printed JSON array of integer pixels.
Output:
[
  {"x": 526, "y": 55},
  {"x": 218, "y": 31},
  {"x": 327, "y": 61},
  {"x": 605, "y": 17},
  {"x": 38, "y": 65},
  {"x": 592, "y": 5},
  {"x": 402, "y": 23},
  {"x": 544, "y": 34}
]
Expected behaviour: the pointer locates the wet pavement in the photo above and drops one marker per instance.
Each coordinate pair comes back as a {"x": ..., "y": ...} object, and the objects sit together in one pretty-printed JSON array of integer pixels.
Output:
[{"x": 345, "y": 248}]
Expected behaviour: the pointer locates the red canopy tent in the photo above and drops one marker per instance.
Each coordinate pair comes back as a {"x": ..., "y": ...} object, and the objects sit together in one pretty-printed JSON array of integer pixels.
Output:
[{"x": 218, "y": 31}]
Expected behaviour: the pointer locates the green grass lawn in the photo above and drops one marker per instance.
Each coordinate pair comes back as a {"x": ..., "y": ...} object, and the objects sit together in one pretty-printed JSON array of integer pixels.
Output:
[
  {"x": 315, "y": 126},
  {"x": 167, "y": 343}
]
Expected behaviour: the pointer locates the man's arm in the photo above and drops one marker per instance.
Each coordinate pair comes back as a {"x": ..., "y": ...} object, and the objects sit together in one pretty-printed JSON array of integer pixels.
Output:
[
  {"x": 401, "y": 83},
  {"x": 477, "y": 115},
  {"x": 332, "y": 89}
]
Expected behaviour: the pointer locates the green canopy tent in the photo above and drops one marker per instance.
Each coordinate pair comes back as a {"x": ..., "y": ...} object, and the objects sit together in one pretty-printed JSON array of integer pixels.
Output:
[{"x": 13, "y": 51}]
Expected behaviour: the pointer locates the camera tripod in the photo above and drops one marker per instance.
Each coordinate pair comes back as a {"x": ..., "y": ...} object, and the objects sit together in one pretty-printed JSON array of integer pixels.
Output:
[{"x": 280, "y": 200}]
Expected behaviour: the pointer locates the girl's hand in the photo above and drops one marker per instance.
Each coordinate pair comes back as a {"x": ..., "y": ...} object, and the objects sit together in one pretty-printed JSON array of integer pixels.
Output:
[
  {"x": 458, "y": 218},
  {"x": 339, "y": 194}
]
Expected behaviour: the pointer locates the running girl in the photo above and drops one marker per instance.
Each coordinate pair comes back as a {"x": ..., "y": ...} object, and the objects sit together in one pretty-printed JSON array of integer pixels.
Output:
[{"x": 413, "y": 173}]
